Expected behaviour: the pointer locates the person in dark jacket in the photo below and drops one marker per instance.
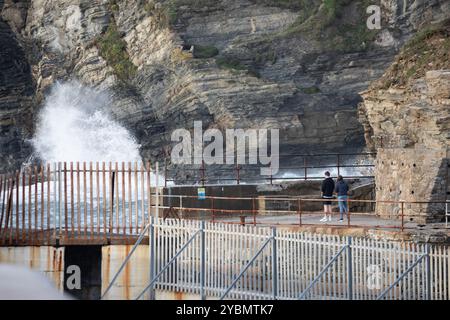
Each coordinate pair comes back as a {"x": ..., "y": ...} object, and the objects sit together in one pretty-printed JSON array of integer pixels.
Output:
[
  {"x": 341, "y": 190},
  {"x": 327, "y": 193}
]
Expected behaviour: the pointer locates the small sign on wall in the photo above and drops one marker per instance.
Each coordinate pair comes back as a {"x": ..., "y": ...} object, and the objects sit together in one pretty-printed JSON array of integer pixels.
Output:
[{"x": 201, "y": 193}]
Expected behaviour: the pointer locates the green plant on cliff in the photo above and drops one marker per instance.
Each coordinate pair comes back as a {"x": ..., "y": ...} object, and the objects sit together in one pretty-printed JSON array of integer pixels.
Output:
[
  {"x": 204, "y": 52},
  {"x": 113, "y": 49},
  {"x": 310, "y": 90},
  {"x": 170, "y": 9},
  {"x": 329, "y": 23},
  {"x": 428, "y": 50},
  {"x": 230, "y": 63},
  {"x": 234, "y": 64},
  {"x": 113, "y": 6},
  {"x": 164, "y": 13}
]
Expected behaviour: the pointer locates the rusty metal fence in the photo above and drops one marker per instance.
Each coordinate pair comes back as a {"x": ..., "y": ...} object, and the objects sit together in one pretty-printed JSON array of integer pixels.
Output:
[
  {"x": 101, "y": 203},
  {"x": 63, "y": 202},
  {"x": 302, "y": 167},
  {"x": 299, "y": 211}
]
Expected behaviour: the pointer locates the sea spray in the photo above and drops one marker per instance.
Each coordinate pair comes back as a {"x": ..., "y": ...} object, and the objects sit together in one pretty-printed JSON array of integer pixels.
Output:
[{"x": 74, "y": 125}]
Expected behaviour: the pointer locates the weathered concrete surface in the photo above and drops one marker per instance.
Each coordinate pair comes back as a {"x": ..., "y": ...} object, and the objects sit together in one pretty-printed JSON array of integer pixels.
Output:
[
  {"x": 48, "y": 260},
  {"x": 134, "y": 276},
  {"x": 359, "y": 225}
]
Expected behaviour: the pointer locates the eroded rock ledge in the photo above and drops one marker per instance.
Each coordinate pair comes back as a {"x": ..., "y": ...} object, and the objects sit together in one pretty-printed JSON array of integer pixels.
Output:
[{"x": 408, "y": 123}]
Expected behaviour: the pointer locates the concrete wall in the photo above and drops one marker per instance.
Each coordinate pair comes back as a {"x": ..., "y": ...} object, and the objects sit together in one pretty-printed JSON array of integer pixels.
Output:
[
  {"x": 134, "y": 276},
  {"x": 48, "y": 260}
]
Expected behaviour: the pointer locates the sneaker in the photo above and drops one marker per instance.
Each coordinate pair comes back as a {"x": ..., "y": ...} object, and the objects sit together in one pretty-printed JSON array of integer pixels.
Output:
[
  {"x": 323, "y": 219},
  {"x": 341, "y": 220},
  {"x": 329, "y": 218}
]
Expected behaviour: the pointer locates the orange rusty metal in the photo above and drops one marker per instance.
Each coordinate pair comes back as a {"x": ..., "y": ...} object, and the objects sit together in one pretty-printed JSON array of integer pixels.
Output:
[{"x": 14, "y": 229}]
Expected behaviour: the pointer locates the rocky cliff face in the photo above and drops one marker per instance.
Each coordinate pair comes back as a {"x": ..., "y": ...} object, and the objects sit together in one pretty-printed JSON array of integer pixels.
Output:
[
  {"x": 406, "y": 117},
  {"x": 16, "y": 90},
  {"x": 294, "y": 65}
]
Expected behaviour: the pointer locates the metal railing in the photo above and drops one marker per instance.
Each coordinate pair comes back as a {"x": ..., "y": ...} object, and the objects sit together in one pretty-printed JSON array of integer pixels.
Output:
[
  {"x": 309, "y": 167},
  {"x": 447, "y": 212},
  {"x": 242, "y": 262},
  {"x": 101, "y": 203},
  {"x": 64, "y": 201},
  {"x": 299, "y": 211}
]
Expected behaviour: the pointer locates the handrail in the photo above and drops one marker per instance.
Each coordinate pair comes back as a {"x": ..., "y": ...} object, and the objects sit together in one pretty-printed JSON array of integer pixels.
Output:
[{"x": 447, "y": 212}]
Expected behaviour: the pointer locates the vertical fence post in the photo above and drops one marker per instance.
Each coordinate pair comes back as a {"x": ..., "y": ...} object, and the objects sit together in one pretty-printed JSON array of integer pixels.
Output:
[
  {"x": 165, "y": 172},
  {"x": 428, "y": 271},
  {"x": 300, "y": 212},
  {"x": 348, "y": 214},
  {"x": 305, "y": 167},
  {"x": 338, "y": 164},
  {"x": 202, "y": 170},
  {"x": 156, "y": 190},
  {"x": 349, "y": 268},
  {"x": 274, "y": 265},
  {"x": 65, "y": 199},
  {"x": 151, "y": 243},
  {"x": 202, "y": 261},
  {"x": 59, "y": 198},
  {"x": 403, "y": 215},
  {"x": 55, "y": 201},
  {"x": 212, "y": 210},
  {"x": 254, "y": 211}
]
